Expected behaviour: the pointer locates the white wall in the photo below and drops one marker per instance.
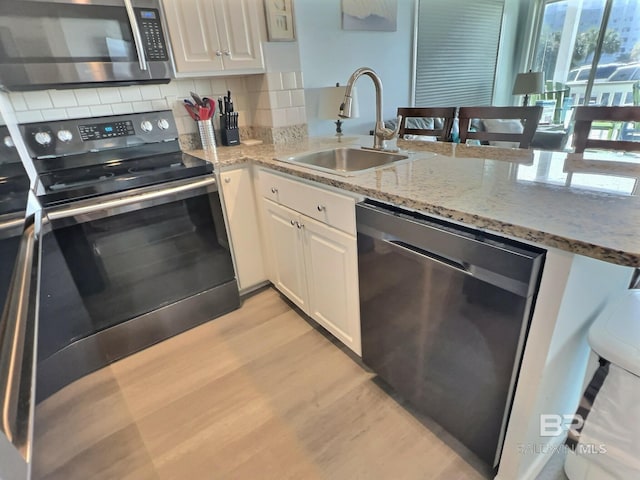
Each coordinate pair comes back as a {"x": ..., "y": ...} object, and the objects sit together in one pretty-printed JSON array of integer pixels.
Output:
[{"x": 329, "y": 54}]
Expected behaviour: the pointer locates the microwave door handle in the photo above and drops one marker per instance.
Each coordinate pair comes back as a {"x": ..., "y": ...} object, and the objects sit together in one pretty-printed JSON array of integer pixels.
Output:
[{"x": 137, "y": 38}]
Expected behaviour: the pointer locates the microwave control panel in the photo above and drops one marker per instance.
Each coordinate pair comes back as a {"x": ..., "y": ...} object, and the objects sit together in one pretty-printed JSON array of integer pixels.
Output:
[{"x": 151, "y": 31}]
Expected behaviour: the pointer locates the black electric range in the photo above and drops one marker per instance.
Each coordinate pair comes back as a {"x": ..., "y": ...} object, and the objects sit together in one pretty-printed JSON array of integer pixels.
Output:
[
  {"x": 79, "y": 159},
  {"x": 14, "y": 182}
]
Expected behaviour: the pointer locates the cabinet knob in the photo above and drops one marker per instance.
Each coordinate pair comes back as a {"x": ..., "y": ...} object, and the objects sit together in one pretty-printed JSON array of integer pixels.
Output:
[
  {"x": 299, "y": 225},
  {"x": 227, "y": 180},
  {"x": 321, "y": 208},
  {"x": 227, "y": 53},
  {"x": 218, "y": 53},
  {"x": 274, "y": 190},
  {"x": 293, "y": 223}
]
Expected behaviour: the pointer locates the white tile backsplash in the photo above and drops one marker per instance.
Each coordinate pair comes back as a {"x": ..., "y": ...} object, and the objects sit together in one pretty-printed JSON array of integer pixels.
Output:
[
  {"x": 289, "y": 80},
  {"x": 29, "y": 116},
  {"x": 274, "y": 99},
  {"x": 297, "y": 98},
  {"x": 78, "y": 112},
  {"x": 109, "y": 95},
  {"x": 101, "y": 110},
  {"x": 142, "y": 107},
  {"x": 17, "y": 100},
  {"x": 130, "y": 94},
  {"x": 150, "y": 92},
  {"x": 159, "y": 104},
  {"x": 87, "y": 96},
  {"x": 122, "y": 108},
  {"x": 54, "y": 114},
  {"x": 63, "y": 98},
  {"x": 274, "y": 81},
  {"x": 38, "y": 100}
]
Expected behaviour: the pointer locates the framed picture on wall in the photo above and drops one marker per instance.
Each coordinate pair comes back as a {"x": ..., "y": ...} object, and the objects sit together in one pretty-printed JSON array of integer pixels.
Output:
[
  {"x": 370, "y": 15},
  {"x": 279, "y": 16}
]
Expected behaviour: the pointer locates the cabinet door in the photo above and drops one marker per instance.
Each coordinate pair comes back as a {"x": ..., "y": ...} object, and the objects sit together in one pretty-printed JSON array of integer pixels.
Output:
[
  {"x": 331, "y": 259},
  {"x": 286, "y": 247},
  {"x": 240, "y": 206},
  {"x": 239, "y": 33},
  {"x": 194, "y": 40}
]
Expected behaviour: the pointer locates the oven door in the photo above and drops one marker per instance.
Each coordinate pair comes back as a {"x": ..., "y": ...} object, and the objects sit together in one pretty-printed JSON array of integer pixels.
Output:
[
  {"x": 58, "y": 42},
  {"x": 122, "y": 273}
]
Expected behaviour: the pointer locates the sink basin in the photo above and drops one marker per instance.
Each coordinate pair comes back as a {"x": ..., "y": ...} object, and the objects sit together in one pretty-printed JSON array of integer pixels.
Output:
[{"x": 346, "y": 161}]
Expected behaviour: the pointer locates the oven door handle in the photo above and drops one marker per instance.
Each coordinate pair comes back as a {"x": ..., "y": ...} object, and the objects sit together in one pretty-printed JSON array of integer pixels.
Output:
[
  {"x": 99, "y": 205},
  {"x": 18, "y": 340},
  {"x": 137, "y": 38}
]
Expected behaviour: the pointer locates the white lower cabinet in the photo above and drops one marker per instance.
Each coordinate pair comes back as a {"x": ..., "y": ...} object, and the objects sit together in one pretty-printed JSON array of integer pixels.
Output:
[
  {"x": 287, "y": 252},
  {"x": 314, "y": 264},
  {"x": 242, "y": 218},
  {"x": 331, "y": 260}
]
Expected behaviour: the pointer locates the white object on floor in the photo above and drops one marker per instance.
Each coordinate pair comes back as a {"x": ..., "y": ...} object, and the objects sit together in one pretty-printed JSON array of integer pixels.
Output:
[{"x": 609, "y": 445}]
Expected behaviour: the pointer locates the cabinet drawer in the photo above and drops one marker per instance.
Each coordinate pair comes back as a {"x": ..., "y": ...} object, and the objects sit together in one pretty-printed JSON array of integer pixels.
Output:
[{"x": 325, "y": 206}]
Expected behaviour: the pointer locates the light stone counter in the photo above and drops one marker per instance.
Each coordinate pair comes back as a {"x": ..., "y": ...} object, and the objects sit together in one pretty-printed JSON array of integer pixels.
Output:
[{"x": 523, "y": 194}]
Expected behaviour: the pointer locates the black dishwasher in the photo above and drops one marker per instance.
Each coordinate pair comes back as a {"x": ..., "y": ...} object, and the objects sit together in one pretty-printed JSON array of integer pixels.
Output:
[{"x": 445, "y": 312}]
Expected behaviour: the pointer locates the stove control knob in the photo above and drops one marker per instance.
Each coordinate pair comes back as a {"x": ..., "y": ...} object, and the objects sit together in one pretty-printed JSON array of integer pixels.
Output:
[
  {"x": 163, "y": 124},
  {"x": 65, "y": 136},
  {"x": 43, "y": 138},
  {"x": 8, "y": 142},
  {"x": 146, "y": 126}
]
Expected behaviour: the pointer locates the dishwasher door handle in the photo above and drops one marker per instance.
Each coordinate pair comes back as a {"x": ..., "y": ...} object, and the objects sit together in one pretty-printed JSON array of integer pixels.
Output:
[{"x": 446, "y": 262}]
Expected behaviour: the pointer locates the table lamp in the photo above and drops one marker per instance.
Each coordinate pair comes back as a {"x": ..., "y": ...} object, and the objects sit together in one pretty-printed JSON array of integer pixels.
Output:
[
  {"x": 330, "y": 99},
  {"x": 526, "y": 83}
]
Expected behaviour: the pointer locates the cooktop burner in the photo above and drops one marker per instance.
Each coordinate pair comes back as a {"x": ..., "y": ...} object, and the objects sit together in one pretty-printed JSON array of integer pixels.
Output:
[
  {"x": 72, "y": 166},
  {"x": 119, "y": 175}
]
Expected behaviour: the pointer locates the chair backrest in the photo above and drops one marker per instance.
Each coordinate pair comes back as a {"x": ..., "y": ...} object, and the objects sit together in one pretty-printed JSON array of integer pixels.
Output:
[
  {"x": 585, "y": 116},
  {"x": 447, "y": 114},
  {"x": 506, "y": 132},
  {"x": 557, "y": 91}
]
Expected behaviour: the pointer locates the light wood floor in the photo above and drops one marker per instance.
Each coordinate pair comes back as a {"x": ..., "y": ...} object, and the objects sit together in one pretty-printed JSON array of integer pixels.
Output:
[{"x": 257, "y": 394}]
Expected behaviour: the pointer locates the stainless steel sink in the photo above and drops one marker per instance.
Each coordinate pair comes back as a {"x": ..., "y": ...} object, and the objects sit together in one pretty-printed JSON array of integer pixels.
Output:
[{"x": 346, "y": 161}]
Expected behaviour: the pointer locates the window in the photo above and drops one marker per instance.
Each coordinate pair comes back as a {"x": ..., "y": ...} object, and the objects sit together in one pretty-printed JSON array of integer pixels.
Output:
[
  {"x": 569, "y": 37},
  {"x": 456, "y": 51}
]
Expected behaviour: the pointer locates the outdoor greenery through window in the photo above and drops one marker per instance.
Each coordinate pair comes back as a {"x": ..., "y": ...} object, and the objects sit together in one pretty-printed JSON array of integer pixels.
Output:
[{"x": 568, "y": 42}]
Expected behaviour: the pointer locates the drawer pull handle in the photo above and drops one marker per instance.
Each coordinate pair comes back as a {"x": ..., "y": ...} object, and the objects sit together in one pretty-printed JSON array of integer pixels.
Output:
[
  {"x": 274, "y": 190},
  {"x": 321, "y": 208}
]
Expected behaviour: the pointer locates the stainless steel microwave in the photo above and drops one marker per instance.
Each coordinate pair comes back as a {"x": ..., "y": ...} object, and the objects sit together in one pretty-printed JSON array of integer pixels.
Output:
[{"x": 76, "y": 43}]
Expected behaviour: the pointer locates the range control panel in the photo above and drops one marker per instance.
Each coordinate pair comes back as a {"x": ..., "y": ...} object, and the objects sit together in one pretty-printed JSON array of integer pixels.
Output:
[
  {"x": 98, "y": 131},
  {"x": 70, "y": 137},
  {"x": 151, "y": 30}
]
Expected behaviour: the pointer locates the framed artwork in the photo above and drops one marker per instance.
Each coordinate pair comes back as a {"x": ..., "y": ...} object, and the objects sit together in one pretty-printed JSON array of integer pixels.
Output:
[
  {"x": 279, "y": 16},
  {"x": 370, "y": 15}
]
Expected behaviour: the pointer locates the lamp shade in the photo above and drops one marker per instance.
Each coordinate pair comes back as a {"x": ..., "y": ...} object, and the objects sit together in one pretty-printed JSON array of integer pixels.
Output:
[
  {"x": 331, "y": 98},
  {"x": 529, "y": 82}
]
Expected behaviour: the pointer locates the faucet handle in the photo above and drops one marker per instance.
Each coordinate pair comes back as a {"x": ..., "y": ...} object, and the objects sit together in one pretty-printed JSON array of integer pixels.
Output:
[{"x": 387, "y": 133}]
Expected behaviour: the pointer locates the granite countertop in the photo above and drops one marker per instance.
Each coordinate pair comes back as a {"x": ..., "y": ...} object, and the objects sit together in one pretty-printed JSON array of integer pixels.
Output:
[{"x": 581, "y": 204}]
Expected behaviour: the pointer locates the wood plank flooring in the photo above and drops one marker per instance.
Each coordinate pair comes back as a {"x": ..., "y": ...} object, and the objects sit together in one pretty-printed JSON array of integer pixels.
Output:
[{"x": 257, "y": 394}]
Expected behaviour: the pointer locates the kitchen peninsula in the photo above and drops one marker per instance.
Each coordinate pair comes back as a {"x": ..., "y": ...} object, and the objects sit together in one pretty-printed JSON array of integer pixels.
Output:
[{"x": 590, "y": 231}]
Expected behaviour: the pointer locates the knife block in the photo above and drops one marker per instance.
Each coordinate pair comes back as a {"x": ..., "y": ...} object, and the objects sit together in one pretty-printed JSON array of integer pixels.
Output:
[{"x": 228, "y": 135}]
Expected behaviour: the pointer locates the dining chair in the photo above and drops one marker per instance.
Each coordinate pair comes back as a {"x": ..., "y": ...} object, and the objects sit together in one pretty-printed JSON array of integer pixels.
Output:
[
  {"x": 500, "y": 126},
  {"x": 445, "y": 114},
  {"x": 585, "y": 117}
]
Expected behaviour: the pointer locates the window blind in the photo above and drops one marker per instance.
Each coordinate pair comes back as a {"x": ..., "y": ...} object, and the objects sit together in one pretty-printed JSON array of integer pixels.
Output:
[{"x": 456, "y": 52}]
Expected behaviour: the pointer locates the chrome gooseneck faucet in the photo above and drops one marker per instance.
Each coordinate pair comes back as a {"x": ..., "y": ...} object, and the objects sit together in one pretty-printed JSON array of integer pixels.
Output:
[{"x": 381, "y": 134}]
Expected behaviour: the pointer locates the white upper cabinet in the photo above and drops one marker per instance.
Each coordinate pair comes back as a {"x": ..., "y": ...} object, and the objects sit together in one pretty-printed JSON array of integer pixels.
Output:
[{"x": 215, "y": 36}]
